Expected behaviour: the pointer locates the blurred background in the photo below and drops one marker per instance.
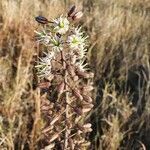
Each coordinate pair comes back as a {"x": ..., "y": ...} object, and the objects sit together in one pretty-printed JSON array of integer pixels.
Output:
[{"x": 119, "y": 55}]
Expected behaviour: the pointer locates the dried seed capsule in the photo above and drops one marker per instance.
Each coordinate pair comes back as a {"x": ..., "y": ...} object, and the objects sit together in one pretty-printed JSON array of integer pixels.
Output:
[
  {"x": 71, "y": 11},
  {"x": 84, "y": 74},
  {"x": 44, "y": 85},
  {"x": 86, "y": 144},
  {"x": 61, "y": 87},
  {"x": 87, "y": 88},
  {"x": 88, "y": 106},
  {"x": 41, "y": 19},
  {"x": 77, "y": 94},
  {"x": 78, "y": 111},
  {"x": 87, "y": 98},
  {"x": 85, "y": 110}
]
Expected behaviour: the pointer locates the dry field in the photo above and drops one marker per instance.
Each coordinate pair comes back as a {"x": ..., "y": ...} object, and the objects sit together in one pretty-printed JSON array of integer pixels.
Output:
[{"x": 119, "y": 55}]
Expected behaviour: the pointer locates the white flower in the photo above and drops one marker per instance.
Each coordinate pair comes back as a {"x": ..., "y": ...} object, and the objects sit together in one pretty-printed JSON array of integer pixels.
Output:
[
  {"x": 56, "y": 43},
  {"x": 81, "y": 65},
  {"x": 76, "y": 40},
  {"x": 43, "y": 37},
  {"x": 61, "y": 25},
  {"x": 45, "y": 65},
  {"x": 49, "y": 40},
  {"x": 77, "y": 31}
]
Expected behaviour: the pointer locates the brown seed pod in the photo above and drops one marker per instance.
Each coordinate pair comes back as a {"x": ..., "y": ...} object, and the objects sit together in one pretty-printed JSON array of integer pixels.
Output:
[
  {"x": 77, "y": 94},
  {"x": 78, "y": 110},
  {"x": 44, "y": 85},
  {"x": 61, "y": 87},
  {"x": 84, "y": 74},
  {"x": 87, "y": 98},
  {"x": 88, "y": 106},
  {"x": 87, "y": 88}
]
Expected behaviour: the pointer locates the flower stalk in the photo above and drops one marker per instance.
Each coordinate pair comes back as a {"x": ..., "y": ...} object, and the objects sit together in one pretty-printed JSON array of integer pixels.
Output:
[{"x": 66, "y": 76}]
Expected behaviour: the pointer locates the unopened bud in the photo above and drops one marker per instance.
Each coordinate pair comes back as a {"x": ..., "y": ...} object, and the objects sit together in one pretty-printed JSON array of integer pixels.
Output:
[
  {"x": 77, "y": 15},
  {"x": 41, "y": 19},
  {"x": 71, "y": 11}
]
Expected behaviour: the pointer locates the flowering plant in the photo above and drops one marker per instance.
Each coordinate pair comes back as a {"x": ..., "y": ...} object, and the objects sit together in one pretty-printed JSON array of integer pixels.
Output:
[{"x": 64, "y": 72}]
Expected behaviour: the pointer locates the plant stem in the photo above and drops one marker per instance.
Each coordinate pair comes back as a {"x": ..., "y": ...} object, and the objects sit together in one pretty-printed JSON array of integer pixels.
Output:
[{"x": 67, "y": 100}]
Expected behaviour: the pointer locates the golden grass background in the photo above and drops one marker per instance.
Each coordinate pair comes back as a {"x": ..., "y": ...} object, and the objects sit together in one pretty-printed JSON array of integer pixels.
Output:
[{"x": 119, "y": 55}]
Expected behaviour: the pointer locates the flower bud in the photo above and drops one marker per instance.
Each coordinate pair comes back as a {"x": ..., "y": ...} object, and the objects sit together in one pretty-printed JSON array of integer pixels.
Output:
[
  {"x": 77, "y": 15},
  {"x": 41, "y": 19},
  {"x": 71, "y": 11}
]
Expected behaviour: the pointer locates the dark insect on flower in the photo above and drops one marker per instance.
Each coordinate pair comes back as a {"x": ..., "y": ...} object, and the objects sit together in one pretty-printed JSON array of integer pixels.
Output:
[
  {"x": 41, "y": 19},
  {"x": 71, "y": 11}
]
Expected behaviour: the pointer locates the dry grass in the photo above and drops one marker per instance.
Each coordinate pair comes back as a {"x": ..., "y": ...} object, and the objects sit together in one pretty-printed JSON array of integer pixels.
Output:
[{"x": 120, "y": 57}]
